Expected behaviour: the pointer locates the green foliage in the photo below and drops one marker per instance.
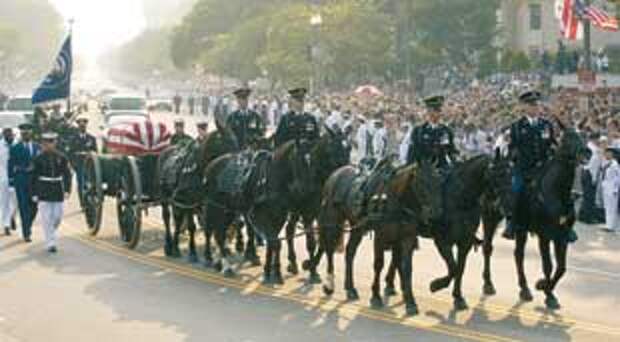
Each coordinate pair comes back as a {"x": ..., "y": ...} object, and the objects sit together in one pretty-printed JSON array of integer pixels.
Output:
[
  {"x": 358, "y": 39},
  {"x": 515, "y": 61}
]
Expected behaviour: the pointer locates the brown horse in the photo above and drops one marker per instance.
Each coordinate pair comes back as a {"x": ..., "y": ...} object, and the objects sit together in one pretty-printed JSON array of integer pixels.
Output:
[{"x": 410, "y": 198}]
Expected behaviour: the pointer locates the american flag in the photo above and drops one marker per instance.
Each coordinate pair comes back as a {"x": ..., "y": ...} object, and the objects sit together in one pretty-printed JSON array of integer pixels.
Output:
[
  {"x": 568, "y": 12},
  {"x": 137, "y": 138},
  {"x": 600, "y": 18}
]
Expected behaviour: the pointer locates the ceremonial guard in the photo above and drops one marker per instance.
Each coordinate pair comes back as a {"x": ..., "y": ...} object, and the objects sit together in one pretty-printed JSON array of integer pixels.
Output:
[
  {"x": 530, "y": 147},
  {"x": 432, "y": 141},
  {"x": 246, "y": 124},
  {"x": 296, "y": 124},
  {"x": 80, "y": 145},
  {"x": 7, "y": 192},
  {"x": 180, "y": 137},
  {"x": 202, "y": 127},
  {"x": 610, "y": 185},
  {"x": 364, "y": 140},
  {"x": 51, "y": 186},
  {"x": 20, "y": 176}
]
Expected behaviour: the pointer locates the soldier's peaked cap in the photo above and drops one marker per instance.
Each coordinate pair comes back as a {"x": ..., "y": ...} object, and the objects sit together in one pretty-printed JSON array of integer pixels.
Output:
[
  {"x": 25, "y": 127},
  {"x": 243, "y": 92},
  {"x": 530, "y": 96},
  {"x": 298, "y": 93},
  {"x": 434, "y": 102}
]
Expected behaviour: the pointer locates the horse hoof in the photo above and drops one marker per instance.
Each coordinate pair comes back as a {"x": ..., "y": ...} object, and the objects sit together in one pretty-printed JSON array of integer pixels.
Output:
[
  {"x": 305, "y": 265},
  {"x": 277, "y": 279},
  {"x": 439, "y": 284},
  {"x": 542, "y": 285},
  {"x": 253, "y": 260},
  {"x": 267, "y": 279},
  {"x": 192, "y": 258},
  {"x": 552, "y": 303},
  {"x": 352, "y": 295},
  {"x": 315, "y": 278},
  {"x": 292, "y": 269},
  {"x": 229, "y": 273},
  {"x": 489, "y": 289},
  {"x": 526, "y": 295},
  {"x": 208, "y": 262},
  {"x": 376, "y": 303},
  {"x": 411, "y": 309},
  {"x": 389, "y": 291},
  {"x": 327, "y": 291},
  {"x": 460, "y": 304},
  {"x": 239, "y": 249},
  {"x": 167, "y": 250},
  {"x": 218, "y": 266}
]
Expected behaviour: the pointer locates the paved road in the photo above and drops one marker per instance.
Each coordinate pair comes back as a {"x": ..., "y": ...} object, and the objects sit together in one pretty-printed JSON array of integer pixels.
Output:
[{"x": 96, "y": 290}]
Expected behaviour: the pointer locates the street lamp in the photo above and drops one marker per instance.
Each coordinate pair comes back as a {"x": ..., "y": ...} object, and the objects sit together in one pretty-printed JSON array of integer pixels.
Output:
[{"x": 315, "y": 21}]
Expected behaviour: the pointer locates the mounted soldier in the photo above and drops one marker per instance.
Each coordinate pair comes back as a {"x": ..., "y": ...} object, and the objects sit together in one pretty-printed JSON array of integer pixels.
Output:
[
  {"x": 247, "y": 125},
  {"x": 203, "y": 129},
  {"x": 433, "y": 141},
  {"x": 531, "y": 146}
]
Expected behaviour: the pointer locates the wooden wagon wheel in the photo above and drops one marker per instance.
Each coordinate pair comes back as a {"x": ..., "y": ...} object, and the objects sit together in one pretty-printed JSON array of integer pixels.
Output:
[
  {"x": 129, "y": 203},
  {"x": 92, "y": 196}
]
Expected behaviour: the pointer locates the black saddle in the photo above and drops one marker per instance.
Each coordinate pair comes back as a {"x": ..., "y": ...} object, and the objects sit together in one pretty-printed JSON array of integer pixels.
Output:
[
  {"x": 236, "y": 175},
  {"x": 370, "y": 196}
]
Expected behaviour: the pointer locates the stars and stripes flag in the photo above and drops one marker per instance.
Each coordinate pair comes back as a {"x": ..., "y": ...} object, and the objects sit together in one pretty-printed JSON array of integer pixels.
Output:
[
  {"x": 137, "y": 138},
  {"x": 601, "y": 19},
  {"x": 567, "y": 11}
]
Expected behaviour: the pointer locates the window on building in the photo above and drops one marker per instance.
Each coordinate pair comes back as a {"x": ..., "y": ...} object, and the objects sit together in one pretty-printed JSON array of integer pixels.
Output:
[{"x": 535, "y": 17}]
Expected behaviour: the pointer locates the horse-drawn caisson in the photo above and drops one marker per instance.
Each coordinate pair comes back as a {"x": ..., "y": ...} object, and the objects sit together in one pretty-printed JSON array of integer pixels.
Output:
[
  {"x": 303, "y": 174},
  {"x": 125, "y": 172}
]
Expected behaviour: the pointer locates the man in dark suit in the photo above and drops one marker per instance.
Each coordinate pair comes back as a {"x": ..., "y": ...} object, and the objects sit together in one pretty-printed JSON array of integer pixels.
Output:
[
  {"x": 246, "y": 124},
  {"x": 79, "y": 145},
  {"x": 20, "y": 176},
  {"x": 432, "y": 141},
  {"x": 531, "y": 144}
]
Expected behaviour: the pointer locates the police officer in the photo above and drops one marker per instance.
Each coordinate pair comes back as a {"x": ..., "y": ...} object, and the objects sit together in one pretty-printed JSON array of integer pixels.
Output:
[
  {"x": 79, "y": 145},
  {"x": 50, "y": 187},
  {"x": 180, "y": 137},
  {"x": 432, "y": 141},
  {"x": 530, "y": 146},
  {"x": 20, "y": 177},
  {"x": 246, "y": 124},
  {"x": 296, "y": 124}
]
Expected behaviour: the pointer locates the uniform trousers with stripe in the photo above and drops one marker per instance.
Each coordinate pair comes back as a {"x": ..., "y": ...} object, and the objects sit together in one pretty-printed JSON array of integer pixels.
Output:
[{"x": 50, "y": 214}]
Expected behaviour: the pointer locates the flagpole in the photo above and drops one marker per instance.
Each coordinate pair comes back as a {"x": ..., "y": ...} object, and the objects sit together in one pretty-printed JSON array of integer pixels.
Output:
[
  {"x": 71, "y": 21},
  {"x": 587, "y": 41}
]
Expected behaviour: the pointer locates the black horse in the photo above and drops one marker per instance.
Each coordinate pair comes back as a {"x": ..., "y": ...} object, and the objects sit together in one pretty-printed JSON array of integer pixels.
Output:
[
  {"x": 550, "y": 215},
  {"x": 480, "y": 179},
  {"x": 180, "y": 184},
  {"x": 276, "y": 183},
  {"x": 410, "y": 199}
]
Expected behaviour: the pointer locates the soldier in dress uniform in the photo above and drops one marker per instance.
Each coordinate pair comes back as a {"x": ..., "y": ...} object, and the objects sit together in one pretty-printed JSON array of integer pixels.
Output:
[
  {"x": 20, "y": 177},
  {"x": 530, "y": 146},
  {"x": 296, "y": 124},
  {"x": 79, "y": 145},
  {"x": 432, "y": 140},
  {"x": 180, "y": 137},
  {"x": 247, "y": 125},
  {"x": 203, "y": 129},
  {"x": 7, "y": 192},
  {"x": 51, "y": 185}
]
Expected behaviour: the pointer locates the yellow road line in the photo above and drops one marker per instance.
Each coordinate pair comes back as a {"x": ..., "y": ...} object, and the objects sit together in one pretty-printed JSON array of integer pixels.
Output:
[
  {"x": 504, "y": 309},
  {"x": 316, "y": 303}
]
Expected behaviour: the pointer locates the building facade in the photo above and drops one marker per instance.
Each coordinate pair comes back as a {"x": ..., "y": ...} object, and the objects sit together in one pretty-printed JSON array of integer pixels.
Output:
[{"x": 531, "y": 26}]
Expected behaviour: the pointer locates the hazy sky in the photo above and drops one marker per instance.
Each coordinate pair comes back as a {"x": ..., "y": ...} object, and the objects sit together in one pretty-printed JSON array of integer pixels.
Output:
[{"x": 101, "y": 24}]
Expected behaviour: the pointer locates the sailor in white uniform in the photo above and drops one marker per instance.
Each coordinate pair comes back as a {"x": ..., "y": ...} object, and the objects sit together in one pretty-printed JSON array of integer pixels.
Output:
[{"x": 8, "y": 201}]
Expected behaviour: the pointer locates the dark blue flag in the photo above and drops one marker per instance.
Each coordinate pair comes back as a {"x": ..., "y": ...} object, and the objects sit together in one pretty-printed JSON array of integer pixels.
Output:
[{"x": 57, "y": 84}]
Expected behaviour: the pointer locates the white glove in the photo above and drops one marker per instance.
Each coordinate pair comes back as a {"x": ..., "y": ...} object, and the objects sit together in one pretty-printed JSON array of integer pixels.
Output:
[{"x": 35, "y": 199}]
